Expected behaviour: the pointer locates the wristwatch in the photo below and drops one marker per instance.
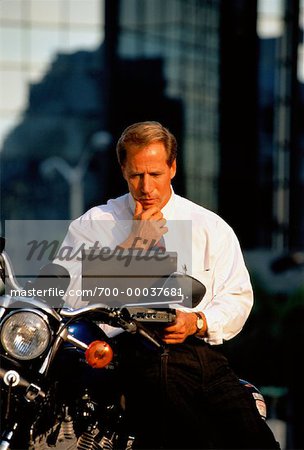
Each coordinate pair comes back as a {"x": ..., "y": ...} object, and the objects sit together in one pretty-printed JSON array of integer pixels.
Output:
[{"x": 200, "y": 323}]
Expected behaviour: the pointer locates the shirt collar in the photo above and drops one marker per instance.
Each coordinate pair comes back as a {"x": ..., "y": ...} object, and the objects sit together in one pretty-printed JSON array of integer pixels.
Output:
[{"x": 167, "y": 210}]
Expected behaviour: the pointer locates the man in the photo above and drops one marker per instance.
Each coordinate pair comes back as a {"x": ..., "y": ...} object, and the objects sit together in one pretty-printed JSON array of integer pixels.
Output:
[{"x": 188, "y": 397}]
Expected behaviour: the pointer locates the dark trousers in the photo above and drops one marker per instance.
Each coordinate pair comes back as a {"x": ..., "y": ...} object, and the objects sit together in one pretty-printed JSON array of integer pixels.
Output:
[{"x": 189, "y": 399}]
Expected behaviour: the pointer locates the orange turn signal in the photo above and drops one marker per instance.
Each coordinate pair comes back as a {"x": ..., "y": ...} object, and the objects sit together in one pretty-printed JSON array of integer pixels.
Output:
[{"x": 99, "y": 354}]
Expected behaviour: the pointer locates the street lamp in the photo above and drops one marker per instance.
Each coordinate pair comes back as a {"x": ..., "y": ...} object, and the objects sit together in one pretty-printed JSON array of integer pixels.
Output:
[{"x": 74, "y": 175}]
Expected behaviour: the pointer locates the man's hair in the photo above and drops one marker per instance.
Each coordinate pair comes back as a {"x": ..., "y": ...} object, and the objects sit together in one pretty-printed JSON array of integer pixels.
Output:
[{"x": 142, "y": 134}]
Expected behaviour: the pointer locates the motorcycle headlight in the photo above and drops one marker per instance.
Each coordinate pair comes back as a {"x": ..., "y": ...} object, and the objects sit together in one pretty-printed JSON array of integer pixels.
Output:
[{"x": 25, "y": 335}]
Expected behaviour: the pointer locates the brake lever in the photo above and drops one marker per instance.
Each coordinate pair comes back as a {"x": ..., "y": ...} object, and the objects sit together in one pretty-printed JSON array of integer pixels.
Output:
[
  {"x": 150, "y": 337},
  {"x": 133, "y": 326}
]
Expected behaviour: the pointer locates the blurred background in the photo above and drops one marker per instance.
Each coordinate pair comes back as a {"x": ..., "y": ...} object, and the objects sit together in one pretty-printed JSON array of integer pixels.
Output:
[{"x": 227, "y": 78}]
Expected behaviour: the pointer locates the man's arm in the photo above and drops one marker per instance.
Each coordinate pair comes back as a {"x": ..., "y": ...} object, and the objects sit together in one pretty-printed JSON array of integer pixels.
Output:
[{"x": 231, "y": 297}]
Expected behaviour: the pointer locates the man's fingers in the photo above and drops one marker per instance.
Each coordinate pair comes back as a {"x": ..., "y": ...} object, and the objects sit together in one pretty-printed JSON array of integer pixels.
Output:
[
  {"x": 138, "y": 209},
  {"x": 148, "y": 225},
  {"x": 174, "y": 338},
  {"x": 151, "y": 214},
  {"x": 162, "y": 222},
  {"x": 164, "y": 230}
]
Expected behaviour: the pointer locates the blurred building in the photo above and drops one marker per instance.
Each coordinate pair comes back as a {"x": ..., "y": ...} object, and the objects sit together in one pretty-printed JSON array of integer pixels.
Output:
[
  {"x": 64, "y": 111},
  {"x": 50, "y": 98},
  {"x": 280, "y": 125},
  {"x": 185, "y": 36}
]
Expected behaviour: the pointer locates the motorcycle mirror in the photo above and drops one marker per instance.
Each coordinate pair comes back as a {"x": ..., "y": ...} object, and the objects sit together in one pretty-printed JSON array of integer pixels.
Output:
[
  {"x": 55, "y": 274},
  {"x": 99, "y": 354},
  {"x": 198, "y": 291},
  {"x": 192, "y": 289},
  {"x": 52, "y": 281}
]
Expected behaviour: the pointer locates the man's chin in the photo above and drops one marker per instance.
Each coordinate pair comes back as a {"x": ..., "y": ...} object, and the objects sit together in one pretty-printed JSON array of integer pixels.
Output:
[{"x": 147, "y": 204}]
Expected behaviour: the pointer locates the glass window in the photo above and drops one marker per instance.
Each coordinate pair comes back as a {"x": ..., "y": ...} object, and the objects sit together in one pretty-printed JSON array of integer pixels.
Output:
[
  {"x": 43, "y": 43},
  {"x": 11, "y": 44},
  {"x": 86, "y": 12},
  {"x": 11, "y": 10},
  {"x": 270, "y": 18},
  {"x": 128, "y": 12},
  {"x": 13, "y": 91},
  {"x": 84, "y": 39},
  {"x": 32, "y": 32},
  {"x": 7, "y": 122},
  {"x": 46, "y": 11}
]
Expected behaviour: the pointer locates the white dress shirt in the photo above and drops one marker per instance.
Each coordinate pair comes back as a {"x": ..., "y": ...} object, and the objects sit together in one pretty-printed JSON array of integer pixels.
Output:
[{"x": 206, "y": 247}]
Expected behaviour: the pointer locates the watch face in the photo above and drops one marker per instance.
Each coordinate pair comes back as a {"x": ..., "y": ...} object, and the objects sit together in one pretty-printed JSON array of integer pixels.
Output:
[{"x": 200, "y": 323}]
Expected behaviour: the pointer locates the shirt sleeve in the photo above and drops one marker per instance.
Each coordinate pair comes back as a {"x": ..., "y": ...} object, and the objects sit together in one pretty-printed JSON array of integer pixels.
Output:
[
  {"x": 232, "y": 295},
  {"x": 69, "y": 256},
  {"x": 84, "y": 233}
]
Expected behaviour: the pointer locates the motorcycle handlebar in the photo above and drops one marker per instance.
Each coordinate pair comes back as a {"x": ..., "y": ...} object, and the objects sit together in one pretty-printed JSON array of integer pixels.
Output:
[
  {"x": 114, "y": 317},
  {"x": 96, "y": 309}
]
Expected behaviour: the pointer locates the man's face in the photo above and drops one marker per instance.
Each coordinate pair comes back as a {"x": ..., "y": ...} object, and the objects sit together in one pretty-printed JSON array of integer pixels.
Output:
[{"x": 148, "y": 174}]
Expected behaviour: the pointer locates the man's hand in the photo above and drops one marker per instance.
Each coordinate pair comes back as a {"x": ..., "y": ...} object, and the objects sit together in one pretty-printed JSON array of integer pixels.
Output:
[
  {"x": 184, "y": 326},
  {"x": 147, "y": 229}
]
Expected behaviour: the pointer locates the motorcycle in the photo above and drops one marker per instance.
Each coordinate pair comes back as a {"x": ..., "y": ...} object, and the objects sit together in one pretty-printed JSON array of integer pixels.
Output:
[{"x": 59, "y": 371}]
